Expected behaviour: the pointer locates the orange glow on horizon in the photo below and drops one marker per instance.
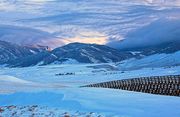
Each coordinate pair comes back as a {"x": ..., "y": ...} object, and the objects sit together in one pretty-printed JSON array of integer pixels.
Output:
[
  {"x": 84, "y": 37},
  {"x": 88, "y": 37}
]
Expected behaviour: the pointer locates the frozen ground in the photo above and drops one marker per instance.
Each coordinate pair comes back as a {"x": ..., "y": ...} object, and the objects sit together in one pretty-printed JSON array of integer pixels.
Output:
[
  {"x": 42, "y": 111},
  {"x": 55, "y": 88}
]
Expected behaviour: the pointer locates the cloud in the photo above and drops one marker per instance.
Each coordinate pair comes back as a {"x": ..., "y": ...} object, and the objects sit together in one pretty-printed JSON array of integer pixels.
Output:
[
  {"x": 88, "y": 37},
  {"x": 28, "y": 36},
  {"x": 158, "y": 32},
  {"x": 66, "y": 21},
  {"x": 26, "y": 6},
  {"x": 39, "y": 0},
  {"x": 164, "y": 2}
]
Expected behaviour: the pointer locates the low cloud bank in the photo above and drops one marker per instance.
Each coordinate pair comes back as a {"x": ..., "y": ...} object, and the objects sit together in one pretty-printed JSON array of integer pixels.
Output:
[
  {"x": 28, "y": 36},
  {"x": 158, "y": 32}
]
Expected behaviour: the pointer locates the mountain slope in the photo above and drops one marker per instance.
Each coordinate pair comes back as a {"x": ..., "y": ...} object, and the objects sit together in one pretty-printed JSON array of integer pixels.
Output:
[
  {"x": 87, "y": 53},
  {"x": 74, "y": 53},
  {"x": 9, "y": 51},
  {"x": 30, "y": 60},
  {"x": 163, "y": 55},
  {"x": 152, "y": 61},
  {"x": 166, "y": 48}
]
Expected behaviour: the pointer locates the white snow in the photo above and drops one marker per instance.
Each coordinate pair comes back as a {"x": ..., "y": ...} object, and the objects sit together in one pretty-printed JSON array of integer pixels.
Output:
[
  {"x": 96, "y": 48},
  {"x": 70, "y": 61},
  {"x": 107, "y": 60},
  {"x": 54, "y": 55},
  {"x": 63, "y": 92},
  {"x": 153, "y": 61},
  {"x": 135, "y": 52},
  {"x": 42, "y": 111},
  {"x": 32, "y": 51},
  {"x": 89, "y": 56},
  {"x": 6, "y": 78}
]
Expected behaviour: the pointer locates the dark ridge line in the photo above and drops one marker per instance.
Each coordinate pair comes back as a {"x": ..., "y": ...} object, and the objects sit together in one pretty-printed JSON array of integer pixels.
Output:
[{"x": 161, "y": 85}]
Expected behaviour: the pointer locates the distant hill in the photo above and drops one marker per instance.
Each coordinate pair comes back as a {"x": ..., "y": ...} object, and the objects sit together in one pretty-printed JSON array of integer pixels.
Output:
[
  {"x": 74, "y": 53},
  {"x": 9, "y": 51},
  {"x": 13, "y": 55}
]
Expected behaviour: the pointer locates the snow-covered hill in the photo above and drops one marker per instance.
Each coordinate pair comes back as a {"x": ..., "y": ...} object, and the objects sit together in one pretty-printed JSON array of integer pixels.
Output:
[
  {"x": 152, "y": 61},
  {"x": 162, "y": 55},
  {"x": 9, "y": 51},
  {"x": 51, "y": 93},
  {"x": 74, "y": 53},
  {"x": 89, "y": 53}
]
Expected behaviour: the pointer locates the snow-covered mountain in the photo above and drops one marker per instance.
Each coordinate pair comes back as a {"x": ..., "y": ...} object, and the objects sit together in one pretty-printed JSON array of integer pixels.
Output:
[
  {"x": 152, "y": 61},
  {"x": 9, "y": 51},
  {"x": 74, "y": 53},
  {"x": 167, "y": 48},
  {"x": 163, "y": 55},
  {"x": 88, "y": 53}
]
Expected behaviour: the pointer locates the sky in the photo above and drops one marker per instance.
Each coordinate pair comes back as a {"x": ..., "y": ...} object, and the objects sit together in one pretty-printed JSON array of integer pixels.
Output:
[{"x": 59, "y": 22}]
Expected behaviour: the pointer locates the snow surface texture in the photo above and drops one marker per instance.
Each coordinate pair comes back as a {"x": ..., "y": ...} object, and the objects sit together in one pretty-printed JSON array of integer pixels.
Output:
[
  {"x": 42, "y": 111},
  {"x": 156, "y": 60},
  {"x": 51, "y": 87}
]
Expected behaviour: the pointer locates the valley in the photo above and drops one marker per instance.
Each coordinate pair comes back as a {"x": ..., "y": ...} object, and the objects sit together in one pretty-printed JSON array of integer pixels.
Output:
[
  {"x": 89, "y": 58},
  {"x": 39, "y": 85}
]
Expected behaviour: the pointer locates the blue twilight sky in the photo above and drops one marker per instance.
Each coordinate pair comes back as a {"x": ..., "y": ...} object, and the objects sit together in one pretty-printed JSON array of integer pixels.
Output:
[{"x": 58, "y": 22}]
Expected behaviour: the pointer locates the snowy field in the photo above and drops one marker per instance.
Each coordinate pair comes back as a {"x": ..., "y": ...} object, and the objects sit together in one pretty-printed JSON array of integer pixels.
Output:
[{"x": 55, "y": 90}]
